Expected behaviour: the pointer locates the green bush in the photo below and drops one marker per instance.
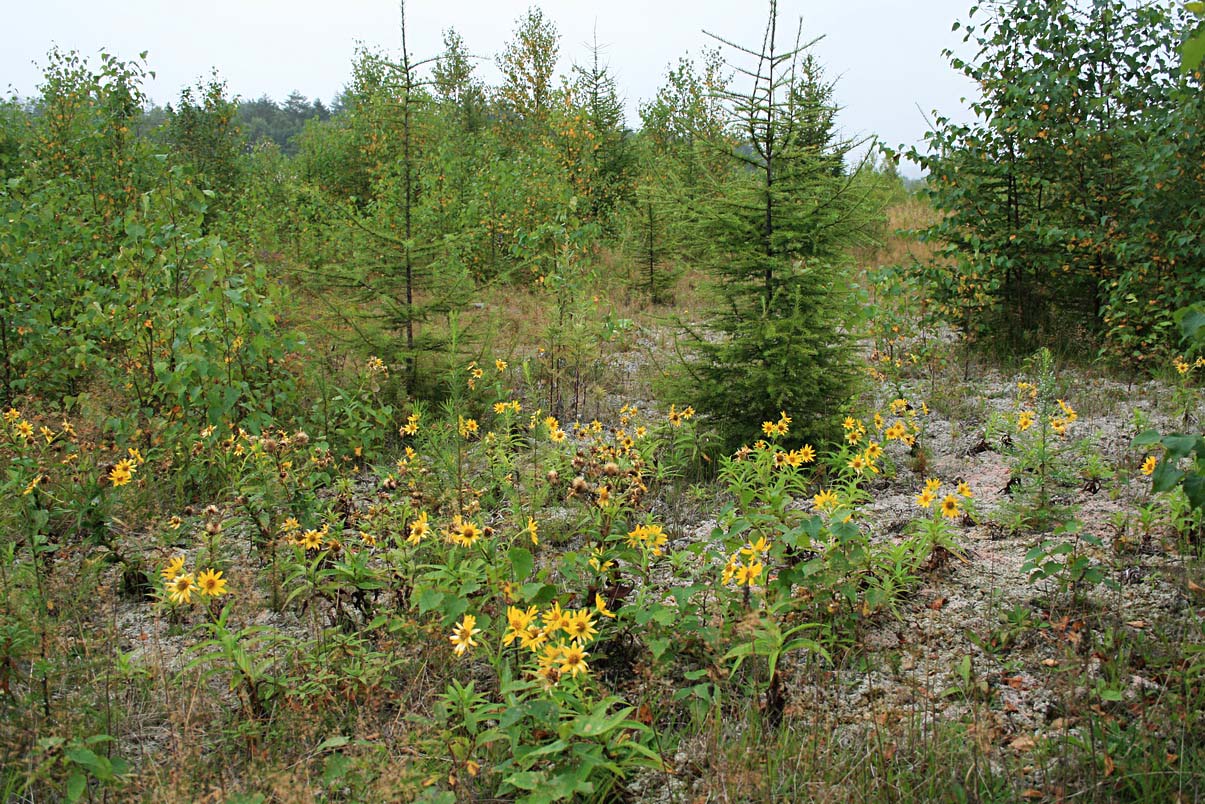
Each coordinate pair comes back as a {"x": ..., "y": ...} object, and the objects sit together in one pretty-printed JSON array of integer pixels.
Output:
[{"x": 1071, "y": 200}]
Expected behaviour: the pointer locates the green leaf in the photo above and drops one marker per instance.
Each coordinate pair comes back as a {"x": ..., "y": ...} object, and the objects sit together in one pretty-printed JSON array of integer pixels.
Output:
[
  {"x": 1194, "y": 488},
  {"x": 429, "y": 599},
  {"x": 1191, "y": 319},
  {"x": 538, "y": 593},
  {"x": 1145, "y": 439},
  {"x": 1192, "y": 52},
  {"x": 658, "y": 647},
  {"x": 599, "y": 722},
  {"x": 1166, "y": 476},
  {"x": 521, "y": 562},
  {"x": 338, "y": 741},
  {"x": 526, "y": 780},
  {"x": 1178, "y": 445},
  {"x": 87, "y": 758},
  {"x": 554, "y": 747},
  {"x": 75, "y": 786}
]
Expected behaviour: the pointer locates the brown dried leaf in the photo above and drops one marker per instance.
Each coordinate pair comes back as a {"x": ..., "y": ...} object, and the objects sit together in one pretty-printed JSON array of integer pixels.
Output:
[{"x": 1023, "y": 743}]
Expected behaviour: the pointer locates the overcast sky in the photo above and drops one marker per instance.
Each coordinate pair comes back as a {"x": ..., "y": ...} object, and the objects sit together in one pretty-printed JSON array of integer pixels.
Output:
[{"x": 885, "y": 53}]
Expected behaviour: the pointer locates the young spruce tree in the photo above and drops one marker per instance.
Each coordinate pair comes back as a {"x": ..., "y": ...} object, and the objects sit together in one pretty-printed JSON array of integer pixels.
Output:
[{"x": 779, "y": 337}]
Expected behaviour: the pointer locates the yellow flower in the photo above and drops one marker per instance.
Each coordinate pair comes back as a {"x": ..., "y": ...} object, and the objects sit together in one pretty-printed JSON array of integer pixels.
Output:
[
  {"x": 532, "y": 638},
  {"x": 211, "y": 583},
  {"x": 747, "y": 574},
  {"x": 754, "y": 549},
  {"x": 858, "y": 463},
  {"x": 500, "y": 365},
  {"x": 463, "y": 633},
  {"x": 463, "y": 533},
  {"x": 533, "y": 530},
  {"x": 1148, "y": 466},
  {"x": 556, "y": 619},
  {"x": 932, "y": 484},
  {"x": 573, "y": 660},
  {"x": 597, "y": 561},
  {"x": 873, "y": 451},
  {"x": 24, "y": 429},
  {"x": 518, "y": 622},
  {"x": 122, "y": 473},
  {"x": 825, "y": 500},
  {"x": 173, "y": 568},
  {"x": 556, "y": 435},
  {"x": 11, "y": 415},
  {"x": 551, "y": 653},
  {"x": 806, "y": 453},
  {"x": 467, "y": 427},
  {"x": 730, "y": 570},
  {"x": 312, "y": 539},
  {"x": 600, "y": 606},
  {"x": 1025, "y": 420},
  {"x": 33, "y": 484},
  {"x": 47, "y": 433},
  {"x": 949, "y": 507},
  {"x": 419, "y": 528},
  {"x": 581, "y": 626},
  {"x": 965, "y": 490},
  {"x": 181, "y": 588},
  {"x": 925, "y": 498}
]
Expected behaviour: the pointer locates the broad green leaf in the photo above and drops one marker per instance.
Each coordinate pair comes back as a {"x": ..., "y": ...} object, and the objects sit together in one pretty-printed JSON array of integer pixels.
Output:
[{"x": 521, "y": 562}]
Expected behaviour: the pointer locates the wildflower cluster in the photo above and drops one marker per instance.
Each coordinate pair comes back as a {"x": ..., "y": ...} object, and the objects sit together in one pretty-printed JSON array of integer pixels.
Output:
[
  {"x": 950, "y": 506},
  {"x": 555, "y": 639},
  {"x": 178, "y": 585},
  {"x": 745, "y": 566},
  {"x": 1026, "y": 416},
  {"x": 649, "y": 538}
]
